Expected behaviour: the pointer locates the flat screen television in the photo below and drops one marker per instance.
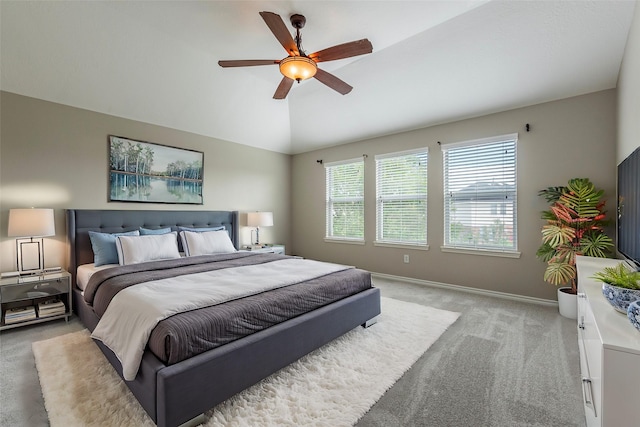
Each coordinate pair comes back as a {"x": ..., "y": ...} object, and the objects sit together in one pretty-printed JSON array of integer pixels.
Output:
[{"x": 628, "y": 226}]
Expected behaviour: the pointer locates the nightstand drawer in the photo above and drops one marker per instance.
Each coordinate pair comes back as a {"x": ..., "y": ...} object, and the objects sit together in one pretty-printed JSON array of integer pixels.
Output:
[{"x": 36, "y": 289}]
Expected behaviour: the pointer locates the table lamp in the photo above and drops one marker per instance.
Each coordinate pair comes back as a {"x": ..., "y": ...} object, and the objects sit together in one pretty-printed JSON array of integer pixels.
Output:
[
  {"x": 257, "y": 220},
  {"x": 30, "y": 226}
]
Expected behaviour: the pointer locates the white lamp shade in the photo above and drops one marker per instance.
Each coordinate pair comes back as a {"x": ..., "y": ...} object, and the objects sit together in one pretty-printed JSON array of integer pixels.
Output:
[
  {"x": 31, "y": 223},
  {"x": 260, "y": 219}
]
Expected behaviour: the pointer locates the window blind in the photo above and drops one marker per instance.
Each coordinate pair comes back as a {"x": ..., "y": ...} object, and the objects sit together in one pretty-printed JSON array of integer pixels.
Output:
[
  {"x": 345, "y": 199},
  {"x": 401, "y": 197},
  {"x": 480, "y": 210}
]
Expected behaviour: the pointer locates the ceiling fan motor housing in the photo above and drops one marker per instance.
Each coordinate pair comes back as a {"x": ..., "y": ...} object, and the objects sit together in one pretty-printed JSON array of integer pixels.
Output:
[{"x": 298, "y": 21}]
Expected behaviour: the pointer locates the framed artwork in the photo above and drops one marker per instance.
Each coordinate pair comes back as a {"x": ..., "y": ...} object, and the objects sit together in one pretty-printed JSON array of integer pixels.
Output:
[{"x": 146, "y": 172}]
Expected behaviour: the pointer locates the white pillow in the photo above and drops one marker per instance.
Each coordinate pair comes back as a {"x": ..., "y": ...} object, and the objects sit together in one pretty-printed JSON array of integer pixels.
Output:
[
  {"x": 206, "y": 243},
  {"x": 153, "y": 247}
]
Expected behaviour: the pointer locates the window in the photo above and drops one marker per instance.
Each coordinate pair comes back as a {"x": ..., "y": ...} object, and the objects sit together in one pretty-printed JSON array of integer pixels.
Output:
[
  {"x": 401, "y": 198},
  {"x": 480, "y": 194},
  {"x": 345, "y": 200}
]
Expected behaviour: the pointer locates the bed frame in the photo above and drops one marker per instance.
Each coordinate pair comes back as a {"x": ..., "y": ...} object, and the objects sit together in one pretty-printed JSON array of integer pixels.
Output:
[{"x": 179, "y": 394}]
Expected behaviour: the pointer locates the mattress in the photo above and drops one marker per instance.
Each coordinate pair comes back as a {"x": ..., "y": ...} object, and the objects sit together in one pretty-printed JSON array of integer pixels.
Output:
[{"x": 184, "y": 335}]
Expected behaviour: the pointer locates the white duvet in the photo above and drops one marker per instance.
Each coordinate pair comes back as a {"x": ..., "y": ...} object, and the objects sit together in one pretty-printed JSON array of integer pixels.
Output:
[{"x": 132, "y": 314}]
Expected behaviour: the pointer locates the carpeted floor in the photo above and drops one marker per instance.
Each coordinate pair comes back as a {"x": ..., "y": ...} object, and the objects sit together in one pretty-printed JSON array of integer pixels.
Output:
[
  {"x": 503, "y": 363},
  {"x": 333, "y": 386}
]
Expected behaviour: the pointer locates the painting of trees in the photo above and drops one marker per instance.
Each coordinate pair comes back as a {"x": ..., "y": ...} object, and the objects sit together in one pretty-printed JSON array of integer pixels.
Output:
[{"x": 146, "y": 172}]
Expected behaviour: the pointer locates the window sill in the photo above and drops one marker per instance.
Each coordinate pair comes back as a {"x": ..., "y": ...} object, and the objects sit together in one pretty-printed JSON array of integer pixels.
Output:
[
  {"x": 483, "y": 252},
  {"x": 347, "y": 241},
  {"x": 401, "y": 246}
]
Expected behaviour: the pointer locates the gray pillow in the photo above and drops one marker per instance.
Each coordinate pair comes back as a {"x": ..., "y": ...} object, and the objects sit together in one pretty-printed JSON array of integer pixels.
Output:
[
  {"x": 152, "y": 231},
  {"x": 201, "y": 230}
]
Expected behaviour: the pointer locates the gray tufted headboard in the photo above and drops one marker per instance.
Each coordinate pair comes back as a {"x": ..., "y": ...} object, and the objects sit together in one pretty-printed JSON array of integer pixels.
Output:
[{"x": 81, "y": 221}]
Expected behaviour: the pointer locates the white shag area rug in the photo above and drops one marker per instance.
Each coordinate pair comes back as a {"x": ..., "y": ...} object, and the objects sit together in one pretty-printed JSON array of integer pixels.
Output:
[{"x": 332, "y": 386}]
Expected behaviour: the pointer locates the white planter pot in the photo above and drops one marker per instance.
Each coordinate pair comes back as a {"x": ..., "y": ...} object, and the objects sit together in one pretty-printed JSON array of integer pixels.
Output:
[{"x": 567, "y": 304}]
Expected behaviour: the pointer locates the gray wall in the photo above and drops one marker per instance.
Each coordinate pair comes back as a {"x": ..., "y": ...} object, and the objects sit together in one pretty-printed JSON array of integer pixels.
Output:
[
  {"x": 629, "y": 92},
  {"x": 55, "y": 156},
  {"x": 574, "y": 137}
]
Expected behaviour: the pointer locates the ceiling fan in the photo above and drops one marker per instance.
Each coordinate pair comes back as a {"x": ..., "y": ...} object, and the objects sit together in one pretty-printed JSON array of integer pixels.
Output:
[{"x": 298, "y": 65}]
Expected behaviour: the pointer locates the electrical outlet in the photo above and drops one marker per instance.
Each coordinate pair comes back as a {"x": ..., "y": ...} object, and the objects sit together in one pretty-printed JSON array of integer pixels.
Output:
[{"x": 406, "y": 259}]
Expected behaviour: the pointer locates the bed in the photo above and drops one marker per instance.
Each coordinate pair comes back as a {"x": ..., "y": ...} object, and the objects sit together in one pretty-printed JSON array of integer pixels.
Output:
[{"x": 179, "y": 393}]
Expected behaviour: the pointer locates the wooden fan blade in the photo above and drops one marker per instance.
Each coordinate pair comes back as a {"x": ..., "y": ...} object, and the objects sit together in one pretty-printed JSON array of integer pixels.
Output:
[
  {"x": 283, "y": 88},
  {"x": 333, "y": 82},
  {"x": 248, "y": 62},
  {"x": 345, "y": 50},
  {"x": 277, "y": 27}
]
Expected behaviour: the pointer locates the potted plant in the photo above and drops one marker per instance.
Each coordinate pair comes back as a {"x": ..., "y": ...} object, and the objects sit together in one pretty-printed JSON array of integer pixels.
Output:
[
  {"x": 574, "y": 225},
  {"x": 620, "y": 286}
]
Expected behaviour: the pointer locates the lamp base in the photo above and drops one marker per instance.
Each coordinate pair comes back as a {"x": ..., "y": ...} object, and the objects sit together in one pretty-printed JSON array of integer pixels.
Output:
[{"x": 30, "y": 254}]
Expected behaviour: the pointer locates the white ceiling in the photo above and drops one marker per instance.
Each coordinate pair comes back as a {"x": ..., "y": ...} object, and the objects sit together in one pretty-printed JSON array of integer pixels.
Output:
[{"x": 432, "y": 62}]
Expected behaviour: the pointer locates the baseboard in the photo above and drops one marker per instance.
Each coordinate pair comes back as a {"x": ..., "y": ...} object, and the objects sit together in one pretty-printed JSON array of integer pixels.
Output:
[{"x": 485, "y": 292}]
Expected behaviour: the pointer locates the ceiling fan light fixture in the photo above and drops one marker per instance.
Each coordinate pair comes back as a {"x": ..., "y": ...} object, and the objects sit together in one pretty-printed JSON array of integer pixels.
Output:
[{"x": 298, "y": 68}]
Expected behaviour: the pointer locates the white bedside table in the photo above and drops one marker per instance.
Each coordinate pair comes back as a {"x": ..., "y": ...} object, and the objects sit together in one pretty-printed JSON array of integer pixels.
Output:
[
  {"x": 31, "y": 292},
  {"x": 274, "y": 249}
]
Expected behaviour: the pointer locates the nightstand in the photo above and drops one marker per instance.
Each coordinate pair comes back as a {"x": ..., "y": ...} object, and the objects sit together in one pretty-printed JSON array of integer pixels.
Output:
[
  {"x": 274, "y": 249},
  {"x": 26, "y": 300}
]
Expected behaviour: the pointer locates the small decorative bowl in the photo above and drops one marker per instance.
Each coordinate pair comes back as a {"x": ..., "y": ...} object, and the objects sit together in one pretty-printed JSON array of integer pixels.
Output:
[
  {"x": 633, "y": 313},
  {"x": 620, "y": 298}
]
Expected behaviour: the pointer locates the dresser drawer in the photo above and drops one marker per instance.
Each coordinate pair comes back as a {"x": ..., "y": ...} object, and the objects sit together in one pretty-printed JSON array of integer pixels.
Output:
[
  {"x": 30, "y": 290},
  {"x": 590, "y": 348}
]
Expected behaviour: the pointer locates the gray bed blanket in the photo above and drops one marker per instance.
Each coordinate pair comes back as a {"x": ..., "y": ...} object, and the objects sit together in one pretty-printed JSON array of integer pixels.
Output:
[{"x": 186, "y": 334}]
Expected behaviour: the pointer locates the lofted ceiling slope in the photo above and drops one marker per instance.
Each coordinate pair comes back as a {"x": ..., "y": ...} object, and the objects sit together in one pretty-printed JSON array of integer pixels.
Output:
[{"x": 432, "y": 62}]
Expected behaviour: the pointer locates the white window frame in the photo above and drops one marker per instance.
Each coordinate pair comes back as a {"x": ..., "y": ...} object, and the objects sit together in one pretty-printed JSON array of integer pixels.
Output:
[
  {"x": 329, "y": 201},
  {"x": 504, "y": 175},
  {"x": 382, "y": 198}
]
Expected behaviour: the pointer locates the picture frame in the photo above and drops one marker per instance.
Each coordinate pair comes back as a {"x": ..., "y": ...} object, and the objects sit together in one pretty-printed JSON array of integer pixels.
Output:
[{"x": 145, "y": 172}]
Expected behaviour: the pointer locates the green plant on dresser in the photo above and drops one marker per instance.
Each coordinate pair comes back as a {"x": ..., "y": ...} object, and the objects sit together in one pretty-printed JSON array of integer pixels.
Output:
[
  {"x": 620, "y": 286},
  {"x": 619, "y": 276},
  {"x": 574, "y": 225}
]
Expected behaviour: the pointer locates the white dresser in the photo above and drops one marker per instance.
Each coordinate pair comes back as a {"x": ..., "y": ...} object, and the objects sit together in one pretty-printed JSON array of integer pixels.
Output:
[{"x": 609, "y": 353}]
